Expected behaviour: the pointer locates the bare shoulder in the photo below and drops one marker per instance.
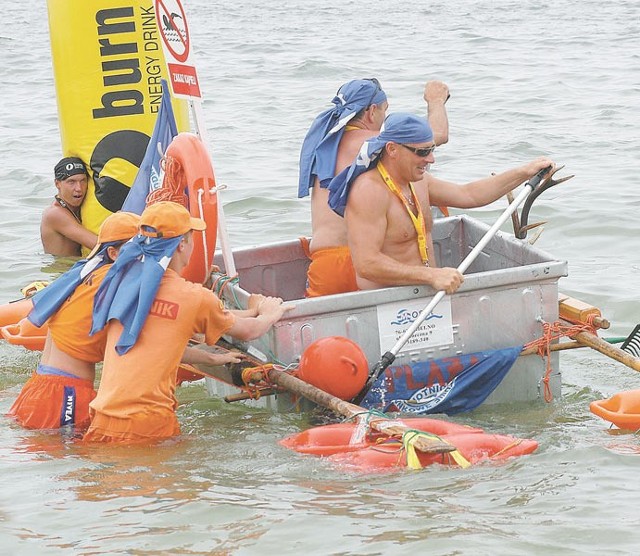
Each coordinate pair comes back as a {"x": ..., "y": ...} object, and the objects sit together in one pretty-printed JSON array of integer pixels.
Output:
[
  {"x": 54, "y": 215},
  {"x": 369, "y": 191}
]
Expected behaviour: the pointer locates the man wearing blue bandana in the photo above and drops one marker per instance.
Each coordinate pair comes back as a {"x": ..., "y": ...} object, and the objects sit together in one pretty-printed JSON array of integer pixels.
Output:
[
  {"x": 150, "y": 313},
  {"x": 386, "y": 195},
  {"x": 331, "y": 144}
]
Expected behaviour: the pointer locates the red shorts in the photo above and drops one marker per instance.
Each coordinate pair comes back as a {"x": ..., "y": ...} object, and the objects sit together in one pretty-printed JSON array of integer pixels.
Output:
[
  {"x": 134, "y": 429},
  {"x": 51, "y": 402}
]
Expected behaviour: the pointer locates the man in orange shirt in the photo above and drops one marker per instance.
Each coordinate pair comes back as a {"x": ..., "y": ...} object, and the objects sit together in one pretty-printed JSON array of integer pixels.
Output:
[{"x": 150, "y": 312}]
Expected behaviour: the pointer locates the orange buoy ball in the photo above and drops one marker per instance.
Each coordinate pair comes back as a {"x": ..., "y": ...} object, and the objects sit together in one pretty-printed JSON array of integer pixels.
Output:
[{"x": 336, "y": 365}]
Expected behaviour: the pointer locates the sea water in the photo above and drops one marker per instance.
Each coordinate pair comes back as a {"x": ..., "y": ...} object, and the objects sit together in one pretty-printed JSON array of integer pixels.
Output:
[{"x": 527, "y": 78}]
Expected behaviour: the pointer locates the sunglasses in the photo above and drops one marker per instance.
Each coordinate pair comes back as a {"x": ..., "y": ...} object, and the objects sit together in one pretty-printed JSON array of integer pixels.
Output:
[{"x": 424, "y": 152}]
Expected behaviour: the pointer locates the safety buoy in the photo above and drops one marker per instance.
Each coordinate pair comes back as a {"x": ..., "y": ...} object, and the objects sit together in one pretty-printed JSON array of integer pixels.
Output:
[
  {"x": 24, "y": 333},
  {"x": 336, "y": 365},
  {"x": 189, "y": 180},
  {"x": 14, "y": 311},
  {"x": 623, "y": 409},
  {"x": 471, "y": 449},
  {"x": 331, "y": 439},
  {"x": 375, "y": 451}
]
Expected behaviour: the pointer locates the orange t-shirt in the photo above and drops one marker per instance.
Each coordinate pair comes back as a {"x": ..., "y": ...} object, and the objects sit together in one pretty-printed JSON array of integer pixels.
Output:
[
  {"x": 143, "y": 380},
  {"x": 71, "y": 324}
]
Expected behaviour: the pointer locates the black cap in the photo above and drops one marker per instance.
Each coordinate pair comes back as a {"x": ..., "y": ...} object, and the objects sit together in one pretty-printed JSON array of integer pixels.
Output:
[{"x": 68, "y": 167}]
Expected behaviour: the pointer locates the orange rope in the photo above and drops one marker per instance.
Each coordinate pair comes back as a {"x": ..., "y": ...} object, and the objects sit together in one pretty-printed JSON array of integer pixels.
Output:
[
  {"x": 253, "y": 387},
  {"x": 551, "y": 333},
  {"x": 173, "y": 185}
]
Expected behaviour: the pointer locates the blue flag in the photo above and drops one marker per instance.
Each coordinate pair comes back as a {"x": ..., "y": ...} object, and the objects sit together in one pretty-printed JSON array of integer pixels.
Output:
[
  {"x": 450, "y": 385},
  {"x": 148, "y": 177}
]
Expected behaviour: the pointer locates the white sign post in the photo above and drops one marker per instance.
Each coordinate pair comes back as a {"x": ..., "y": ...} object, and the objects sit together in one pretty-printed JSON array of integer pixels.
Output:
[{"x": 183, "y": 77}]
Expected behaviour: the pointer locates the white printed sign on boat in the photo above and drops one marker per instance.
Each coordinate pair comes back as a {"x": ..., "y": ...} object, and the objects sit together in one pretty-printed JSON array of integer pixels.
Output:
[
  {"x": 176, "y": 44},
  {"x": 395, "y": 318}
]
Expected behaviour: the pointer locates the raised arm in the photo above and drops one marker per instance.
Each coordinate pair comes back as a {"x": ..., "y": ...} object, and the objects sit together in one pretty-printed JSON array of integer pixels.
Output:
[{"x": 435, "y": 95}]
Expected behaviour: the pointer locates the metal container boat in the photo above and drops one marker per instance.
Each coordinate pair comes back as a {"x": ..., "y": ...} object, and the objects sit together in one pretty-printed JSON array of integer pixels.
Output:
[{"x": 509, "y": 289}]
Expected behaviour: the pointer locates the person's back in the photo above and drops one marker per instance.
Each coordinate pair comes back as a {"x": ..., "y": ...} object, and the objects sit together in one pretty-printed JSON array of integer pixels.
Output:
[
  {"x": 141, "y": 382},
  {"x": 327, "y": 228}
]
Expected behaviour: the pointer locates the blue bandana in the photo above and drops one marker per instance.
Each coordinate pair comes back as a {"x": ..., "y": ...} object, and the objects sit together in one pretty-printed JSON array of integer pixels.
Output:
[
  {"x": 48, "y": 300},
  {"x": 400, "y": 128},
  {"x": 320, "y": 146},
  {"x": 129, "y": 288}
]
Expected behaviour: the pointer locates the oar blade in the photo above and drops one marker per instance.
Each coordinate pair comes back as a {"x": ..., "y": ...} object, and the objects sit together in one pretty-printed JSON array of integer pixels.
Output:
[{"x": 632, "y": 343}]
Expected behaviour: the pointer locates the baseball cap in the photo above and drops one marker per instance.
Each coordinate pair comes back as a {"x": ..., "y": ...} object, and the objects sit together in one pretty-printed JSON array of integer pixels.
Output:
[
  {"x": 69, "y": 166},
  {"x": 167, "y": 219},
  {"x": 119, "y": 226}
]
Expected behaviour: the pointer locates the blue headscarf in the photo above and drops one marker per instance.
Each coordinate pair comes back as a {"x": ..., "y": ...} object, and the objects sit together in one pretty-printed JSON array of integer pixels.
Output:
[
  {"x": 400, "y": 128},
  {"x": 129, "y": 288},
  {"x": 48, "y": 300},
  {"x": 320, "y": 146}
]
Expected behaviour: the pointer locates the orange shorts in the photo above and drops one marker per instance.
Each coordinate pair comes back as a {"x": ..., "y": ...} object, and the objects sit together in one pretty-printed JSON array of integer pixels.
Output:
[
  {"x": 137, "y": 428},
  {"x": 51, "y": 401},
  {"x": 331, "y": 271}
]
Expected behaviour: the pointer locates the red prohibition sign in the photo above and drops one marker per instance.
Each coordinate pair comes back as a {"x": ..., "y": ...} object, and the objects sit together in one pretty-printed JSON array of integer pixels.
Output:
[{"x": 173, "y": 29}]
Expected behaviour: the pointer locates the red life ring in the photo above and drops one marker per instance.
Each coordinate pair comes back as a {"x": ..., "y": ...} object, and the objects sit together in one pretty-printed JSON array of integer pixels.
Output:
[{"x": 189, "y": 180}]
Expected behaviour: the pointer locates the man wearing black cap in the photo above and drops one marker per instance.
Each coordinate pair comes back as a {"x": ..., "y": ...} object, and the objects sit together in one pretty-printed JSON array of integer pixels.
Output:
[{"x": 61, "y": 229}]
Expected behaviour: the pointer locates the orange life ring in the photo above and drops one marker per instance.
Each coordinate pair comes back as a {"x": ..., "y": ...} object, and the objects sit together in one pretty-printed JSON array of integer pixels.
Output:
[
  {"x": 24, "y": 333},
  {"x": 189, "y": 180},
  {"x": 14, "y": 311},
  {"x": 373, "y": 454},
  {"x": 473, "y": 447},
  {"x": 333, "y": 439},
  {"x": 623, "y": 409}
]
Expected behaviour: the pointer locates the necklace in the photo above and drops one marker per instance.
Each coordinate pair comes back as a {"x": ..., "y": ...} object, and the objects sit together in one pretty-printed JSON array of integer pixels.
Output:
[{"x": 66, "y": 206}]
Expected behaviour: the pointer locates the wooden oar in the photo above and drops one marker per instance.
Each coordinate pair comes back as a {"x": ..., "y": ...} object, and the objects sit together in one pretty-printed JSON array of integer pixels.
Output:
[
  {"x": 385, "y": 426},
  {"x": 284, "y": 380},
  {"x": 604, "y": 347}
]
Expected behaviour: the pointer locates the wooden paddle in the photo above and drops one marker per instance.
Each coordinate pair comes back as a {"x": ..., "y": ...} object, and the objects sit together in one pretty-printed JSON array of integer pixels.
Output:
[
  {"x": 595, "y": 342},
  {"x": 232, "y": 375}
]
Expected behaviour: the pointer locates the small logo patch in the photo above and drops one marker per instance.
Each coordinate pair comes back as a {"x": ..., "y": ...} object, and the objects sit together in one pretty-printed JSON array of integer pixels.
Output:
[
  {"x": 68, "y": 413},
  {"x": 165, "y": 309}
]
